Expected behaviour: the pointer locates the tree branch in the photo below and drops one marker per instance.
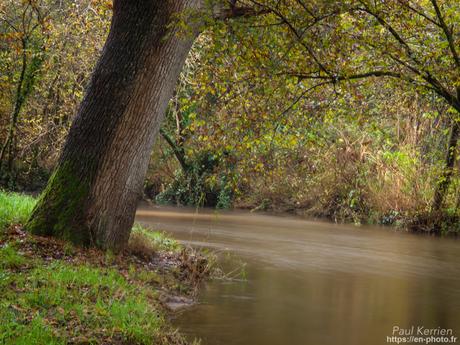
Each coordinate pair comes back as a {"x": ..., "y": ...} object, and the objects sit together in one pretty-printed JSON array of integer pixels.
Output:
[
  {"x": 178, "y": 151},
  {"x": 235, "y": 11},
  {"x": 337, "y": 78},
  {"x": 447, "y": 33},
  {"x": 407, "y": 4}
]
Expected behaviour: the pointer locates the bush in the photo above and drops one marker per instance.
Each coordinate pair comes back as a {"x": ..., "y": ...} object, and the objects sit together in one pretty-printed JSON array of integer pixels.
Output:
[{"x": 199, "y": 186}]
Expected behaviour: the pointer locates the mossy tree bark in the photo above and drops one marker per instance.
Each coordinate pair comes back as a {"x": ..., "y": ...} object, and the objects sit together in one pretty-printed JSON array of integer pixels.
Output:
[{"x": 91, "y": 197}]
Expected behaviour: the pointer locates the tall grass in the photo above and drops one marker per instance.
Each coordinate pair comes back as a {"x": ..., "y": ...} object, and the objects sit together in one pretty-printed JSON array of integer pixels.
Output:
[
  {"x": 351, "y": 175},
  {"x": 14, "y": 208}
]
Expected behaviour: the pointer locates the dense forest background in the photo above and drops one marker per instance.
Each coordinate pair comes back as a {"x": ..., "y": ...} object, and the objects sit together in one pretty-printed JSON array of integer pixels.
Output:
[{"x": 349, "y": 111}]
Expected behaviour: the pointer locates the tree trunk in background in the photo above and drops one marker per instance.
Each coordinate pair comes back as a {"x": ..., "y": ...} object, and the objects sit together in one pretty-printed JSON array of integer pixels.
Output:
[
  {"x": 446, "y": 176},
  {"x": 23, "y": 90},
  {"x": 178, "y": 151},
  {"x": 92, "y": 195}
]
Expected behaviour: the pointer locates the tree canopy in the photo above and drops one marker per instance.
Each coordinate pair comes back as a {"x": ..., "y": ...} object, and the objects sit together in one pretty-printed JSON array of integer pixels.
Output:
[{"x": 347, "y": 109}]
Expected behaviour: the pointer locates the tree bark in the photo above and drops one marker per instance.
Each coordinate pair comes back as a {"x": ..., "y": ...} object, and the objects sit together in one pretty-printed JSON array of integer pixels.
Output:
[
  {"x": 178, "y": 151},
  {"x": 92, "y": 195},
  {"x": 7, "y": 147},
  {"x": 446, "y": 176}
]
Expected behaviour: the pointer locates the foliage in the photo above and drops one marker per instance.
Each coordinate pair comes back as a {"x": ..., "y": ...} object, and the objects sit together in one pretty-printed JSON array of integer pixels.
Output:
[
  {"x": 340, "y": 109},
  {"x": 56, "y": 49},
  {"x": 198, "y": 185}
]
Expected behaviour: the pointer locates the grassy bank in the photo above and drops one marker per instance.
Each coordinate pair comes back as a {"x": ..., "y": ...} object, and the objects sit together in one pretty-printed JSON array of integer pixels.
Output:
[{"x": 54, "y": 293}]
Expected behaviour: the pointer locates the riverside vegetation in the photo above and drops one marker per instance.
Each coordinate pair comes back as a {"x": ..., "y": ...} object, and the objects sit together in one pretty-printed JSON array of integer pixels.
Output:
[
  {"x": 248, "y": 127},
  {"x": 55, "y": 293},
  {"x": 341, "y": 109}
]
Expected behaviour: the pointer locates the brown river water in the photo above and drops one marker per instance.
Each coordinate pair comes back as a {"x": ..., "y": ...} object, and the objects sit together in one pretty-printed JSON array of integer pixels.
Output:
[{"x": 308, "y": 282}]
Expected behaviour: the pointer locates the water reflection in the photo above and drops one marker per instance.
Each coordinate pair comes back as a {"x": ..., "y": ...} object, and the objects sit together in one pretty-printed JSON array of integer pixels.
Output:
[{"x": 315, "y": 282}]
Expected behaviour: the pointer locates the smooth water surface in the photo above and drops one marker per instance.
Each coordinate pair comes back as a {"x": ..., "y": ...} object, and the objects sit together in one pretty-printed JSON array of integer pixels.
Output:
[{"x": 314, "y": 282}]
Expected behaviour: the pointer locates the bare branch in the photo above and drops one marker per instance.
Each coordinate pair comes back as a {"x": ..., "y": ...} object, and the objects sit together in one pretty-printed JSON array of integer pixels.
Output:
[
  {"x": 408, "y": 5},
  {"x": 337, "y": 78},
  {"x": 235, "y": 11}
]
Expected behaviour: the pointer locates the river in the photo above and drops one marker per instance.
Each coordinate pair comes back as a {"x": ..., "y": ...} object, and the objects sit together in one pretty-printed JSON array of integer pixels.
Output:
[{"x": 317, "y": 283}]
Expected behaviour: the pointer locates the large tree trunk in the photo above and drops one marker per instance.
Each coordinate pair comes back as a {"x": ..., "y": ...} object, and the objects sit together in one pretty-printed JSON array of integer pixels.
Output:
[{"x": 91, "y": 197}]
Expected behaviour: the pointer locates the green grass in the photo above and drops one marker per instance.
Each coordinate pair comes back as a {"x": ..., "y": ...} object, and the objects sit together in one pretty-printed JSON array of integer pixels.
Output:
[
  {"x": 87, "y": 300},
  {"x": 58, "y": 303},
  {"x": 14, "y": 208},
  {"x": 154, "y": 240},
  {"x": 10, "y": 258}
]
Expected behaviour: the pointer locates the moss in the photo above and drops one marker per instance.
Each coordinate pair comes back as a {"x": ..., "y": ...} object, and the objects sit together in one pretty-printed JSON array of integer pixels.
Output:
[{"x": 60, "y": 206}]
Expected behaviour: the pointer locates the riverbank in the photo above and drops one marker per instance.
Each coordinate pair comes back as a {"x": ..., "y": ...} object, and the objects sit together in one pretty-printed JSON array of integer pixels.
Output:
[
  {"x": 336, "y": 206},
  {"x": 442, "y": 222},
  {"x": 55, "y": 293}
]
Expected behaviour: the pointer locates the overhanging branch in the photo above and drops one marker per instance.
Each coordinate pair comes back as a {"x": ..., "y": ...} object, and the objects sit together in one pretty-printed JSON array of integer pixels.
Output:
[{"x": 235, "y": 11}]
